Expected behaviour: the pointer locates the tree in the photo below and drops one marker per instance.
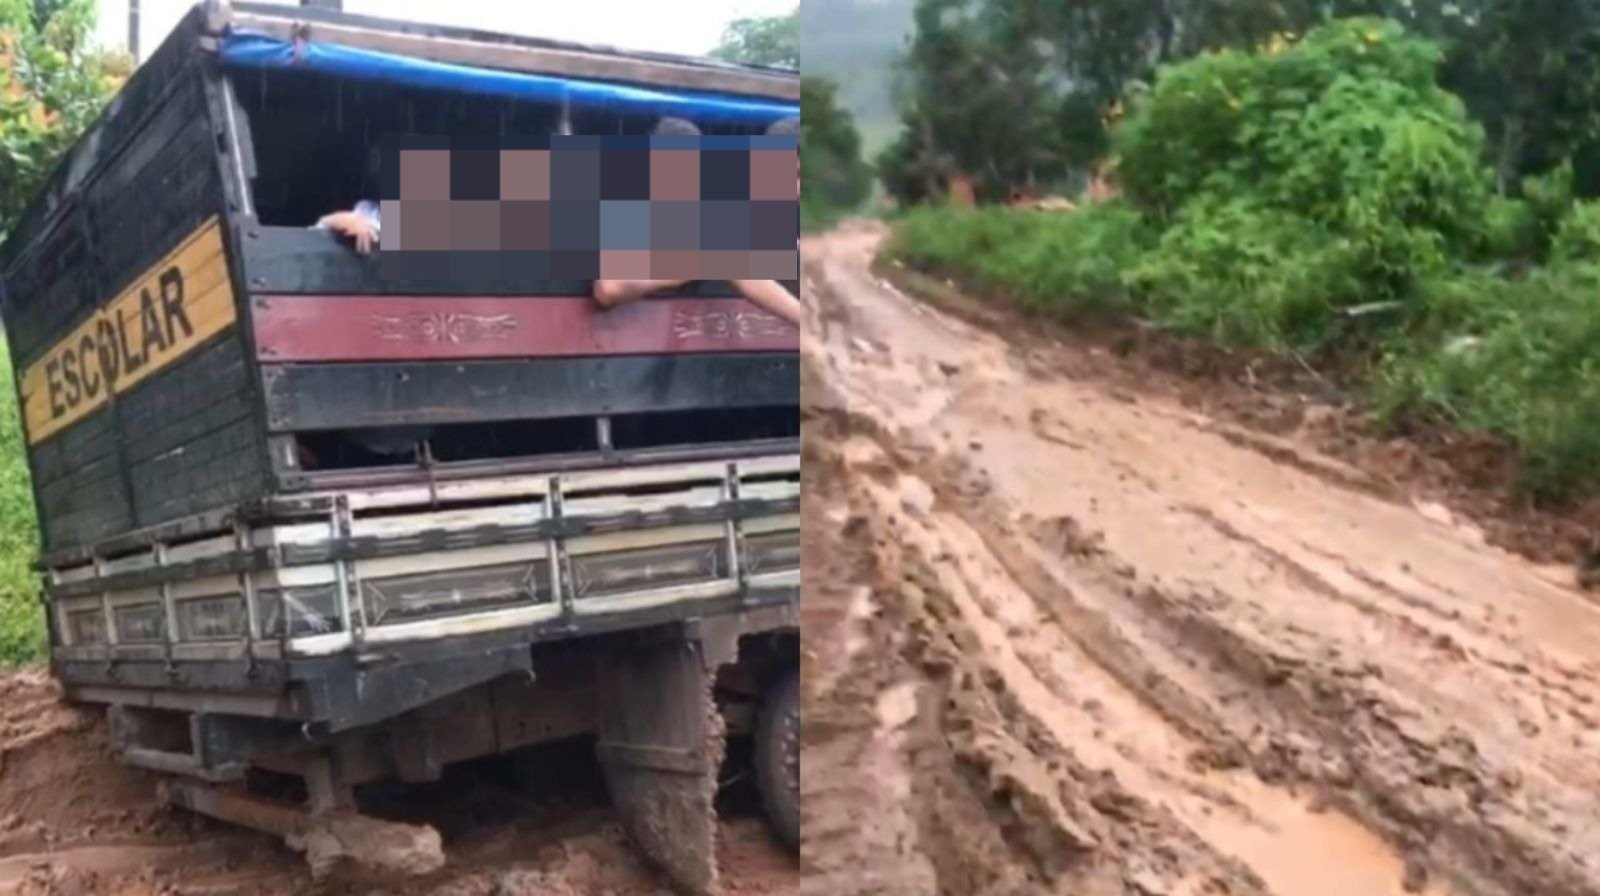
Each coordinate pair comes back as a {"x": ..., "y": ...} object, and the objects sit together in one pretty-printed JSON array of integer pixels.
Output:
[
  {"x": 835, "y": 177},
  {"x": 764, "y": 40},
  {"x": 1530, "y": 71},
  {"x": 52, "y": 85},
  {"x": 986, "y": 93},
  {"x": 1527, "y": 70}
]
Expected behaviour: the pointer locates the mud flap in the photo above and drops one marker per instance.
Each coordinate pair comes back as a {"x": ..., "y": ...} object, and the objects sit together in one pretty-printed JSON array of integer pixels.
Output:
[{"x": 661, "y": 745}]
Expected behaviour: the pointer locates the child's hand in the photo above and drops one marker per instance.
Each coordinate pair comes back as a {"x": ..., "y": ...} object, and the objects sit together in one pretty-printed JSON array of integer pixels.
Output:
[
  {"x": 354, "y": 226},
  {"x": 772, "y": 296}
]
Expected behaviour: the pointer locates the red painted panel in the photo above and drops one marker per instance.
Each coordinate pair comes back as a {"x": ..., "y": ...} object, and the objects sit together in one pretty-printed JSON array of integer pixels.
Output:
[{"x": 420, "y": 328}]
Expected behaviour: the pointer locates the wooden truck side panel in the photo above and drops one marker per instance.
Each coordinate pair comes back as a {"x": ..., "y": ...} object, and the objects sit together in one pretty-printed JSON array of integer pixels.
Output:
[
  {"x": 134, "y": 285},
  {"x": 122, "y": 313}
]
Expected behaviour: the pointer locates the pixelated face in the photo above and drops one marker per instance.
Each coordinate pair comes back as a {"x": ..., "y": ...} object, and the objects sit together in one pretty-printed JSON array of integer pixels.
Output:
[{"x": 586, "y": 207}]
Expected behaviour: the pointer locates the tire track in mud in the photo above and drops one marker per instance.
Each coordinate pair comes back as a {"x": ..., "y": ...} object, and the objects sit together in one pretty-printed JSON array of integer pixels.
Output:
[{"x": 1130, "y": 654}]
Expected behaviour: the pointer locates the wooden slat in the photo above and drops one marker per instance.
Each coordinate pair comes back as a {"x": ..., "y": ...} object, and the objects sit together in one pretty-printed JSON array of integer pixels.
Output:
[
  {"x": 342, "y": 396},
  {"x": 175, "y": 307},
  {"x": 299, "y": 260},
  {"x": 218, "y": 469},
  {"x": 124, "y": 118},
  {"x": 136, "y": 205}
]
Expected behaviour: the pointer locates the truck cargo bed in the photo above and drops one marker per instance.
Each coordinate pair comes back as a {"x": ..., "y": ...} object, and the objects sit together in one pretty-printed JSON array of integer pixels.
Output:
[
  {"x": 186, "y": 343},
  {"x": 353, "y": 571}
]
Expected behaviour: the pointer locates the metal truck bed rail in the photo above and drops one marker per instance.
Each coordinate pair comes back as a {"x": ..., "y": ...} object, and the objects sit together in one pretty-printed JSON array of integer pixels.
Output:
[{"x": 325, "y": 573}]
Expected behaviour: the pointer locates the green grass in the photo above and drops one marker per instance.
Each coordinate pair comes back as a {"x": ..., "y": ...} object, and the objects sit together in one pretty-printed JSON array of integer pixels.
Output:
[
  {"x": 22, "y": 637},
  {"x": 1063, "y": 265}
]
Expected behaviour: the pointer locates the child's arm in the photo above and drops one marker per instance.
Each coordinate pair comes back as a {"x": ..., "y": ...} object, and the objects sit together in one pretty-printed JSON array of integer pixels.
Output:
[
  {"x": 610, "y": 293},
  {"x": 767, "y": 294},
  {"x": 772, "y": 296},
  {"x": 356, "y": 226}
]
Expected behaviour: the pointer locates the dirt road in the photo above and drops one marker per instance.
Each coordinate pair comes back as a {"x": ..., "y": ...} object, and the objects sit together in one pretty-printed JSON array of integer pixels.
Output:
[{"x": 1062, "y": 638}]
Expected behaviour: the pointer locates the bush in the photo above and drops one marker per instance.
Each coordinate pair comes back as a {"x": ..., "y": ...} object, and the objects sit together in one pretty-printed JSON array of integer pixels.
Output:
[
  {"x": 1186, "y": 135},
  {"x": 1242, "y": 274},
  {"x": 1516, "y": 358},
  {"x": 1549, "y": 198},
  {"x": 1075, "y": 263},
  {"x": 1304, "y": 178},
  {"x": 21, "y": 618},
  {"x": 961, "y": 239},
  {"x": 1577, "y": 240},
  {"x": 1396, "y": 171},
  {"x": 1064, "y": 263},
  {"x": 1235, "y": 124},
  {"x": 1510, "y": 230}
]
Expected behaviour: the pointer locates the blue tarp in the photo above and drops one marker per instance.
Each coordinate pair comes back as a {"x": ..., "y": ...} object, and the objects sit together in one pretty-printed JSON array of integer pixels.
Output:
[{"x": 250, "y": 50}]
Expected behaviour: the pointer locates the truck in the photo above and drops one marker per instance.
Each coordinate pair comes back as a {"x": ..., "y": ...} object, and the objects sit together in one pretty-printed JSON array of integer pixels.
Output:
[{"x": 305, "y": 526}]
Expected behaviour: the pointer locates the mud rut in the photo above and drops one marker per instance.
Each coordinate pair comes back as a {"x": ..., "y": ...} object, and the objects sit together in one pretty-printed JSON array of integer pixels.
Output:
[{"x": 1061, "y": 639}]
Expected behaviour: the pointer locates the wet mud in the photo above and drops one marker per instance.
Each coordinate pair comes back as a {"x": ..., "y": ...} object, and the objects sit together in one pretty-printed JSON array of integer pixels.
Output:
[
  {"x": 1065, "y": 638},
  {"x": 75, "y": 823}
]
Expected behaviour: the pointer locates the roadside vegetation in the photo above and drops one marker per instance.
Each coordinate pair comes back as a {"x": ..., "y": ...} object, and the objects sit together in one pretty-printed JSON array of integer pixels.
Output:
[
  {"x": 1327, "y": 195},
  {"x": 21, "y": 623},
  {"x": 836, "y": 181},
  {"x": 53, "y": 83}
]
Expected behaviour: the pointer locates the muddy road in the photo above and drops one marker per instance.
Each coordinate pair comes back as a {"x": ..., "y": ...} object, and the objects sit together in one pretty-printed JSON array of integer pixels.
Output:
[
  {"x": 75, "y": 823},
  {"x": 1064, "y": 638}
]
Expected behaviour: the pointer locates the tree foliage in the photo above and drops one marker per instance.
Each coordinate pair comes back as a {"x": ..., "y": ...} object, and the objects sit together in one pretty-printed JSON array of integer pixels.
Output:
[
  {"x": 835, "y": 177},
  {"x": 763, "y": 40},
  {"x": 1528, "y": 71},
  {"x": 52, "y": 85},
  {"x": 1302, "y": 177},
  {"x": 1346, "y": 129},
  {"x": 984, "y": 95}
]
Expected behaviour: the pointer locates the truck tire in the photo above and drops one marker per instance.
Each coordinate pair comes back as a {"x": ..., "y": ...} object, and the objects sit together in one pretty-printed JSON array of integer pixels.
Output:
[{"x": 777, "y": 757}]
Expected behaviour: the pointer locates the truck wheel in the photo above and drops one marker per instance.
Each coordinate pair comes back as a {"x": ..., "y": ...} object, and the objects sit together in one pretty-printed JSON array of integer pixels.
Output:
[{"x": 777, "y": 757}]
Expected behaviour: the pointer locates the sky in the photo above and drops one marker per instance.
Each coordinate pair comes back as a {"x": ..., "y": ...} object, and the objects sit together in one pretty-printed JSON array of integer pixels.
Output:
[{"x": 660, "y": 25}]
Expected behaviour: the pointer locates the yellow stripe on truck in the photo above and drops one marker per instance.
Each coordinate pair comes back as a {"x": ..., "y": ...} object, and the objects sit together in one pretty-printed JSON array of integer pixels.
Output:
[{"x": 176, "y": 305}]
